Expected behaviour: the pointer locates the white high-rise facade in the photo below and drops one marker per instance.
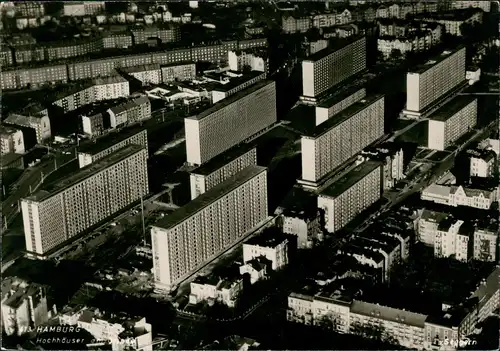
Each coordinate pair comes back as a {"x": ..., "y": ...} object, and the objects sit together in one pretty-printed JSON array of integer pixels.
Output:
[
  {"x": 186, "y": 240},
  {"x": 342, "y": 137},
  {"x": 230, "y": 122},
  {"x": 60, "y": 211},
  {"x": 331, "y": 66},
  {"x": 433, "y": 80}
]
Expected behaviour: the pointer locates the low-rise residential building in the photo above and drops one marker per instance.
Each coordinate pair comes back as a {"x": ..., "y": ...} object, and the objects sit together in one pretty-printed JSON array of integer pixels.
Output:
[
  {"x": 482, "y": 163},
  {"x": 453, "y": 20},
  {"x": 341, "y": 31},
  {"x": 393, "y": 163},
  {"x": 305, "y": 225},
  {"x": 95, "y": 150},
  {"x": 121, "y": 332},
  {"x": 272, "y": 246},
  {"x": 83, "y": 8},
  {"x": 486, "y": 243},
  {"x": 98, "y": 89},
  {"x": 146, "y": 74},
  {"x": 484, "y": 5},
  {"x": 224, "y": 290},
  {"x": 254, "y": 59},
  {"x": 413, "y": 42},
  {"x": 453, "y": 195},
  {"x": 12, "y": 140},
  {"x": 454, "y": 238},
  {"x": 132, "y": 111},
  {"x": 165, "y": 33},
  {"x": 182, "y": 71},
  {"x": 256, "y": 269},
  {"x": 24, "y": 306},
  {"x": 428, "y": 226},
  {"x": 93, "y": 124},
  {"x": 39, "y": 122}
]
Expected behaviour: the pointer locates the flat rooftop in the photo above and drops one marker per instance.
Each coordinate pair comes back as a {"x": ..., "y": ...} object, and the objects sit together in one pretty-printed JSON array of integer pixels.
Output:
[
  {"x": 434, "y": 61},
  {"x": 335, "y": 45},
  {"x": 449, "y": 109},
  {"x": 231, "y": 99},
  {"x": 267, "y": 240},
  {"x": 101, "y": 144},
  {"x": 349, "y": 179},
  {"x": 345, "y": 114},
  {"x": 223, "y": 159},
  {"x": 237, "y": 81},
  {"x": 388, "y": 313},
  {"x": 209, "y": 197},
  {"x": 52, "y": 189},
  {"x": 175, "y": 64},
  {"x": 332, "y": 100}
]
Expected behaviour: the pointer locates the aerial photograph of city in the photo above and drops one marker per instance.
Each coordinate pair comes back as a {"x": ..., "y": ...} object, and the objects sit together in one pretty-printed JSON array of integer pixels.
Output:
[{"x": 250, "y": 175}]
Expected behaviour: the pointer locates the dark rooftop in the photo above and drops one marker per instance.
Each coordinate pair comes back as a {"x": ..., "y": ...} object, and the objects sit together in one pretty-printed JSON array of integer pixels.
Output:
[
  {"x": 348, "y": 180},
  {"x": 228, "y": 101},
  {"x": 209, "y": 197},
  {"x": 268, "y": 239},
  {"x": 344, "y": 93},
  {"x": 101, "y": 144},
  {"x": 449, "y": 109},
  {"x": 345, "y": 114},
  {"x": 223, "y": 159},
  {"x": 435, "y": 60},
  {"x": 237, "y": 81},
  {"x": 335, "y": 45},
  {"x": 51, "y": 189}
]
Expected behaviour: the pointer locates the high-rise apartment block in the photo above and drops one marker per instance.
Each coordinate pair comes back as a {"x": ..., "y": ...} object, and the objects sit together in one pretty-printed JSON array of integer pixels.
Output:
[
  {"x": 192, "y": 236},
  {"x": 12, "y": 140},
  {"x": 331, "y": 66},
  {"x": 452, "y": 121},
  {"x": 83, "y": 8},
  {"x": 230, "y": 122},
  {"x": 433, "y": 81},
  {"x": 341, "y": 137},
  {"x": 331, "y": 106},
  {"x": 221, "y": 168},
  {"x": 61, "y": 211},
  {"x": 348, "y": 196},
  {"x": 102, "y": 147}
]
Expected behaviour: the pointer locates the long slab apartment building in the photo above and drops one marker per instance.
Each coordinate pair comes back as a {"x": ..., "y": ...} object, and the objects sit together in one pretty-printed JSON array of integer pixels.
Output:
[
  {"x": 451, "y": 121},
  {"x": 61, "y": 211},
  {"x": 193, "y": 235},
  {"x": 432, "y": 82},
  {"x": 340, "y": 138},
  {"x": 230, "y": 122},
  {"x": 348, "y": 196},
  {"x": 332, "y": 66},
  {"x": 222, "y": 167}
]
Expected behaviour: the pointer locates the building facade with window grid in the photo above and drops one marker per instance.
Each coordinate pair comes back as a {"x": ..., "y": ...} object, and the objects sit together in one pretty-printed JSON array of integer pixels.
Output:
[
  {"x": 221, "y": 168},
  {"x": 342, "y": 137},
  {"x": 329, "y": 67},
  {"x": 186, "y": 240},
  {"x": 60, "y": 211},
  {"x": 350, "y": 195},
  {"x": 230, "y": 121}
]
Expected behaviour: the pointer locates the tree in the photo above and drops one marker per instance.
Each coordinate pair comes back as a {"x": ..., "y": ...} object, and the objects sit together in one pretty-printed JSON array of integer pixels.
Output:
[
  {"x": 329, "y": 321},
  {"x": 396, "y": 54}
]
